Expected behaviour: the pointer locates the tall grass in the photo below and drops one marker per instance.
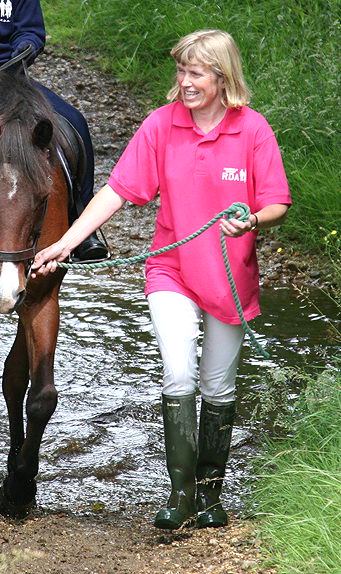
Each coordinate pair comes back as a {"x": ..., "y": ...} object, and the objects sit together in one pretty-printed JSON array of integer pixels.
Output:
[
  {"x": 289, "y": 51},
  {"x": 298, "y": 495}
]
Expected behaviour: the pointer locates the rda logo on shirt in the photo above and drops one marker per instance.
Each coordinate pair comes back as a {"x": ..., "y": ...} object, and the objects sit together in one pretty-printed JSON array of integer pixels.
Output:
[
  {"x": 234, "y": 174},
  {"x": 5, "y": 10}
]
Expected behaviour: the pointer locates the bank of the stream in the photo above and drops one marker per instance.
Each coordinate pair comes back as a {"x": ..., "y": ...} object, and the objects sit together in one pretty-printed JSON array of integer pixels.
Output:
[
  {"x": 62, "y": 544},
  {"x": 298, "y": 493}
]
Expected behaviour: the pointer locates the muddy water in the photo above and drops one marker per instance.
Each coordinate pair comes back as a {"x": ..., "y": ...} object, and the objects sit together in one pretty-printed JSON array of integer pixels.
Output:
[{"x": 103, "y": 447}]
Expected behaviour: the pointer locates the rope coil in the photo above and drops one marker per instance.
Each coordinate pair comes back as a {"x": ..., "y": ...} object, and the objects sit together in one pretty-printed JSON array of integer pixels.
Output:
[{"x": 228, "y": 213}]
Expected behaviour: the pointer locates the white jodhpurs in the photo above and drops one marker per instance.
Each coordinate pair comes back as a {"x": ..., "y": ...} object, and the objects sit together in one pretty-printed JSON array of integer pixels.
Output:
[{"x": 176, "y": 320}]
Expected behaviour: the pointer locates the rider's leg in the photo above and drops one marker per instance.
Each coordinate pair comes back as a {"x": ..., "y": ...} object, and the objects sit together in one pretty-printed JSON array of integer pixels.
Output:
[{"x": 91, "y": 248}]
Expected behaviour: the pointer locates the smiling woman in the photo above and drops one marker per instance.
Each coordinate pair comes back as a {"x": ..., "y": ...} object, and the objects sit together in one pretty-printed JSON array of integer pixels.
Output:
[
  {"x": 201, "y": 91},
  {"x": 221, "y": 57},
  {"x": 200, "y": 153}
]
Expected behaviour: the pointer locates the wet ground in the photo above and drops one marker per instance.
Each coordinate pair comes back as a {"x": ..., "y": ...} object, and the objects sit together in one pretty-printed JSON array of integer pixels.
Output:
[{"x": 102, "y": 470}]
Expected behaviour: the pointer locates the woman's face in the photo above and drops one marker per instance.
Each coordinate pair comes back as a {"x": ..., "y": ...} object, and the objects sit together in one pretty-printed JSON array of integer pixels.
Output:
[{"x": 200, "y": 87}]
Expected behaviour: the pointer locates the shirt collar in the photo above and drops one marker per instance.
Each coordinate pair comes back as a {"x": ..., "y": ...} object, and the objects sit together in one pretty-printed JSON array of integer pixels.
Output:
[{"x": 231, "y": 124}]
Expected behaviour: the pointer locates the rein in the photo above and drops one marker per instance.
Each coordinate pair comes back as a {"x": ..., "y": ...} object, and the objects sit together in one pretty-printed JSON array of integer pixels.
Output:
[
  {"x": 19, "y": 58},
  {"x": 228, "y": 214}
]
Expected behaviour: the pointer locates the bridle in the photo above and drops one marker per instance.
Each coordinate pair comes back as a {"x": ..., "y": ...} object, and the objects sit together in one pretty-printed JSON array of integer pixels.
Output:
[
  {"x": 17, "y": 256},
  {"x": 25, "y": 255}
]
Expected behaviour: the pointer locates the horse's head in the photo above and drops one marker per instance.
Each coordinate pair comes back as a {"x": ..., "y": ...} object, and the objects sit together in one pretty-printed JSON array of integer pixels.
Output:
[{"x": 26, "y": 132}]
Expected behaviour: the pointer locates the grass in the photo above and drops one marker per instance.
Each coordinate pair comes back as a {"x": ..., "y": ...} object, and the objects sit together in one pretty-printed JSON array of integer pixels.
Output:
[
  {"x": 298, "y": 493},
  {"x": 289, "y": 51}
]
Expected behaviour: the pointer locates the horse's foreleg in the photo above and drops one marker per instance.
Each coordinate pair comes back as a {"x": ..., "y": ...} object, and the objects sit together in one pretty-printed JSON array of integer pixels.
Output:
[
  {"x": 41, "y": 337},
  {"x": 14, "y": 384},
  {"x": 41, "y": 323}
]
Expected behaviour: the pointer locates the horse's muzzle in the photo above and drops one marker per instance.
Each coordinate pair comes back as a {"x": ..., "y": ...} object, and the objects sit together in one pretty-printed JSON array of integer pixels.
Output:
[{"x": 12, "y": 286}]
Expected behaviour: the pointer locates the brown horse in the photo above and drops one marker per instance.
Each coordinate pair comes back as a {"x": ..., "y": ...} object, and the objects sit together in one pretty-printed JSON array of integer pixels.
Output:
[{"x": 33, "y": 214}]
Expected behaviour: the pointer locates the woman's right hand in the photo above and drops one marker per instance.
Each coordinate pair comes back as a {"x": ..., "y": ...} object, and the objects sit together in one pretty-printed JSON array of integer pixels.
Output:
[{"x": 45, "y": 261}]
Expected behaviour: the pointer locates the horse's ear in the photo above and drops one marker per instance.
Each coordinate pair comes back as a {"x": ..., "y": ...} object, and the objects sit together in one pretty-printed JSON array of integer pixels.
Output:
[{"x": 42, "y": 133}]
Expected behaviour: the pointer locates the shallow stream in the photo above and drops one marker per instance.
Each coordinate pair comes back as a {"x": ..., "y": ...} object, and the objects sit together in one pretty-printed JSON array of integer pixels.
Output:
[{"x": 103, "y": 448}]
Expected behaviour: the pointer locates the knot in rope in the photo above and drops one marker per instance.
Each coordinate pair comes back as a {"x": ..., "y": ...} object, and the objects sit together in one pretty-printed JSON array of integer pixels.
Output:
[{"x": 236, "y": 207}]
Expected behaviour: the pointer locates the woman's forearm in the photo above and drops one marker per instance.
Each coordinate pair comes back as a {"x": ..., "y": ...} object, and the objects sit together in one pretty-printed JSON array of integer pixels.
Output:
[
  {"x": 103, "y": 205},
  {"x": 270, "y": 216}
]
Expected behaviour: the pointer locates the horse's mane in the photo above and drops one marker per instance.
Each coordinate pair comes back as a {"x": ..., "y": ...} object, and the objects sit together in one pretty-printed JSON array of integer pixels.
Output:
[{"x": 22, "y": 106}]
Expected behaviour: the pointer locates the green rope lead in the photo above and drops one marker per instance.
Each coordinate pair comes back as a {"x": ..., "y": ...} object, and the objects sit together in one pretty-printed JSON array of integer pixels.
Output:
[
  {"x": 228, "y": 214},
  {"x": 239, "y": 307}
]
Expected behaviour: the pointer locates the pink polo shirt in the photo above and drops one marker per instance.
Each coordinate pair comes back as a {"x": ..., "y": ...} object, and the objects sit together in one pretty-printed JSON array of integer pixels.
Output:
[{"x": 198, "y": 175}]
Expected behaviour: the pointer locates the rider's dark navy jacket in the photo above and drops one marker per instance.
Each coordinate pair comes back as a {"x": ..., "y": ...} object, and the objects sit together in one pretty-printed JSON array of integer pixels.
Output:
[{"x": 20, "y": 21}]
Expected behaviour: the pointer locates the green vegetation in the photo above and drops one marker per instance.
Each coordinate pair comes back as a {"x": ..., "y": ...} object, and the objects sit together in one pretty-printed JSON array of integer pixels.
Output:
[
  {"x": 289, "y": 51},
  {"x": 298, "y": 493}
]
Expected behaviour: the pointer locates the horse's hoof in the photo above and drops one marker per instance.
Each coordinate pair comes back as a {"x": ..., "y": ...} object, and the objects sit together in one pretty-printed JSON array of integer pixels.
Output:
[
  {"x": 17, "y": 502},
  {"x": 11, "y": 510}
]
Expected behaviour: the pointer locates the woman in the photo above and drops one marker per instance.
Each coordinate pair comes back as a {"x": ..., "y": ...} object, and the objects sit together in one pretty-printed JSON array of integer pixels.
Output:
[
  {"x": 21, "y": 26},
  {"x": 202, "y": 152}
]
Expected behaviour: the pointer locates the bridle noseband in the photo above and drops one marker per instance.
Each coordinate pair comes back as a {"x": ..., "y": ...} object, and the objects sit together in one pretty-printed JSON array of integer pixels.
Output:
[
  {"x": 17, "y": 256},
  {"x": 25, "y": 255}
]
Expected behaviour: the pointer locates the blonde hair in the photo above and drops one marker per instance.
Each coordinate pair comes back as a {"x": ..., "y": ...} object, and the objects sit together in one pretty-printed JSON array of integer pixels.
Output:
[{"x": 217, "y": 50}]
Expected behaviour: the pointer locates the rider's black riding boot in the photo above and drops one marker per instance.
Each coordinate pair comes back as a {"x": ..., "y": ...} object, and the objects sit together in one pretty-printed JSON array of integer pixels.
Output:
[
  {"x": 91, "y": 249},
  {"x": 215, "y": 432},
  {"x": 180, "y": 425}
]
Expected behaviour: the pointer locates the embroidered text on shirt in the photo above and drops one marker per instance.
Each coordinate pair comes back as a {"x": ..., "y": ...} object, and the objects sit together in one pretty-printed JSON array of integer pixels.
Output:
[{"x": 233, "y": 174}]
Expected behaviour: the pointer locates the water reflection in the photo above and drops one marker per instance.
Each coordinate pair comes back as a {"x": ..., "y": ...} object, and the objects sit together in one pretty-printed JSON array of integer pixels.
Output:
[{"x": 105, "y": 442}]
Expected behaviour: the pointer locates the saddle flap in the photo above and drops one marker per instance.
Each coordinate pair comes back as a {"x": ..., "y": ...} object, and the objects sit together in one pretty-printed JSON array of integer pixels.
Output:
[{"x": 73, "y": 159}]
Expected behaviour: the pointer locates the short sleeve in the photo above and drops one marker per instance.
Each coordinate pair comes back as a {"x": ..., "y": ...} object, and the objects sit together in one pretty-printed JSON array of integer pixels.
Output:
[
  {"x": 135, "y": 176},
  {"x": 270, "y": 181}
]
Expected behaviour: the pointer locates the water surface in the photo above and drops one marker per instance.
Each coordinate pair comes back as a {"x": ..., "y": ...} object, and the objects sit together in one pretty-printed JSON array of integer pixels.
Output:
[{"x": 104, "y": 444}]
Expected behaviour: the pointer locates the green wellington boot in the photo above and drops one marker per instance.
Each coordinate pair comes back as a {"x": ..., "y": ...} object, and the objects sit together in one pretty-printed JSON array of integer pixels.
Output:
[
  {"x": 215, "y": 432},
  {"x": 180, "y": 425}
]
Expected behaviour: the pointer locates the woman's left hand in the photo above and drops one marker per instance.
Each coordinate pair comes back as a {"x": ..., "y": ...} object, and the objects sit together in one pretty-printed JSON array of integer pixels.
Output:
[
  {"x": 235, "y": 227},
  {"x": 267, "y": 217}
]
